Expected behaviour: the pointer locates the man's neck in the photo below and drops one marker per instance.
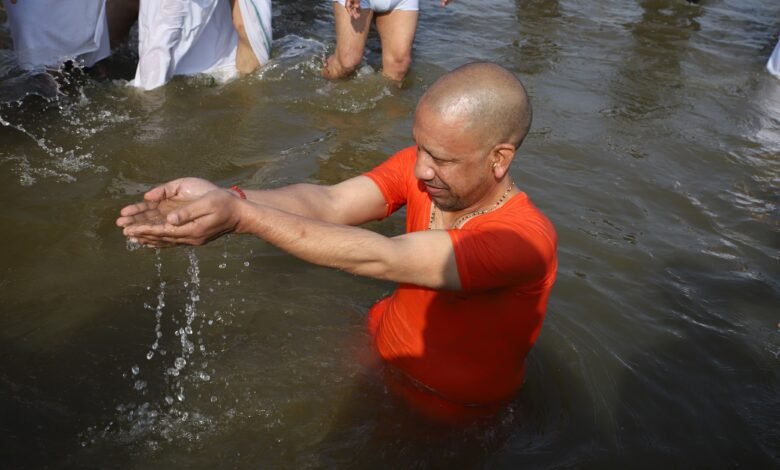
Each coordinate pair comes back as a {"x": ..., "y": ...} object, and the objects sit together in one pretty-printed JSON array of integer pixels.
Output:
[{"x": 493, "y": 199}]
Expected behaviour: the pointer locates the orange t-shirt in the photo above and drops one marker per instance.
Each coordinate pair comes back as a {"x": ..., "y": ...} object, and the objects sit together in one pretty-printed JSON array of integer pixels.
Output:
[{"x": 467, "y": 346}]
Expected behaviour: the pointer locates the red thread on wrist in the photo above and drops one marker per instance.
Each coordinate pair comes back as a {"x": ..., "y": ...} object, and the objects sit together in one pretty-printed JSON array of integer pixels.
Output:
[{"x": 238, "y": 191}]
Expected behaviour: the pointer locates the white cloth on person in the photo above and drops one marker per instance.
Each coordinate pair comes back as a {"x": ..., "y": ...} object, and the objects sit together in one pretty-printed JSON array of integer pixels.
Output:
[
  {"x": 773, "y": 65},
  {"x": 47, "y": 33},
  {"x": 257, "y": 22},
  {"x": 384, "y": 6},
  {"x": 189, "y": 37}
]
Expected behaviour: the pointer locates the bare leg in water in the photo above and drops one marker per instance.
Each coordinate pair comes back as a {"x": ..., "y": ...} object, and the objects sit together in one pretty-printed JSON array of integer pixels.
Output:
[
  {"x": 246, "y": 60},
  {"x": 351, "y": 34},
  {"x": 396, "y": 33}
]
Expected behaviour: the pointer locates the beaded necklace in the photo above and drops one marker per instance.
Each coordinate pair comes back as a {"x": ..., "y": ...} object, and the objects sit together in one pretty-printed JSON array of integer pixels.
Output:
[{"x": 464, "y": 218}]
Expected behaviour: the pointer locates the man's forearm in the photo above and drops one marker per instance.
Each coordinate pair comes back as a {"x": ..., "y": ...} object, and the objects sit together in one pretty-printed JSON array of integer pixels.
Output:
[
  {"x": 422, "y": 258},
  {"x": 289, "y": 226},
  {"x": 351, "y": 202},
  {"x": 306, "y": 200}
]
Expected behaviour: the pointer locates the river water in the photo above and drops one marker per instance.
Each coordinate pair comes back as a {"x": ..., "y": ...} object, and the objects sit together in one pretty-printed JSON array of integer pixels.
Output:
[{"x": 654, "y": 151}]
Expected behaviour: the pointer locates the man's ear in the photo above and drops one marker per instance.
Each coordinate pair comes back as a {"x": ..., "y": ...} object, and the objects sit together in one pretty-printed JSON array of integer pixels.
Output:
[{"x": 501, "y": 158}]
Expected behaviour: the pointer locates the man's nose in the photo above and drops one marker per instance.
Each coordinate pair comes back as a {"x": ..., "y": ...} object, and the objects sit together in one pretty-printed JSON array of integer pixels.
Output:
[{"x": 422, "y": 170}]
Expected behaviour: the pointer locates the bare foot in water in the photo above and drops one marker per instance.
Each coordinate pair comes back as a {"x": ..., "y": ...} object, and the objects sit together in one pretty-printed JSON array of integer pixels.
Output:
[{"x": 330, "y": 69}]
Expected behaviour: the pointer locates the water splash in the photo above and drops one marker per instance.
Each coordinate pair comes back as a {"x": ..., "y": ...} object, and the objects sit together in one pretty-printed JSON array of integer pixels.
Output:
[
  {"x": 42, "y": 102},
  {"x": 164, "y": 413},
  {"x": 158, "y": 311},
  {"x": 186, "y": 332}
]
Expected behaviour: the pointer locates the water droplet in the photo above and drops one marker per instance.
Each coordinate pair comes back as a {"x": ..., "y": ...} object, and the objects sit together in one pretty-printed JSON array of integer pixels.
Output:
[
  {"x": 213, "y": 399},
  {"x": 149, "y": 355},
  {"x": 246, "y": 263},
  {"x": 139, "y": 385},
  {"x": 169, "y": 400},
  {"x": 180, "y": 362},
  {"x": 132, "y": 245},
  {"x": 222, "y": 265},
  {"x": 135, "y": 370}
]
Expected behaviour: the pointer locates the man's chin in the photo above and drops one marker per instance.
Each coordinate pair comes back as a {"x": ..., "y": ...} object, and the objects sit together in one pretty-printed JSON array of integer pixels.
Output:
[{"x": 445, "y": 206}]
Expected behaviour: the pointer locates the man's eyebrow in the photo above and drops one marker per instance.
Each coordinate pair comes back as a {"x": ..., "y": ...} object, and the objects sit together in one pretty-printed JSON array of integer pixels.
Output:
[
  {"x": 432, "y": 154},
  {"x": 444, "y": 158},
  {"x": 435, "y": 155}
]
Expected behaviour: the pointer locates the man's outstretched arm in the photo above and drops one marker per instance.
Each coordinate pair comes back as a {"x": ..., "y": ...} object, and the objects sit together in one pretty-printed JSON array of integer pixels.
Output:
[
  {"x": 421, "y": 258},
  {"x": 352, "y": 202}
]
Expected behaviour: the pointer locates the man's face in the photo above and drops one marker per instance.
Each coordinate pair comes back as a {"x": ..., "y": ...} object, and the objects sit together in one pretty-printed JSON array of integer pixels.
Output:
[{"x": 452, "y": 164}]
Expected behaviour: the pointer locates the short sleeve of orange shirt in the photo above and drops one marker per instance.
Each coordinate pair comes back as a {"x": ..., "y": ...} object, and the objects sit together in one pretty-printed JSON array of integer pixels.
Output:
[{"x": 513, "y": 245}]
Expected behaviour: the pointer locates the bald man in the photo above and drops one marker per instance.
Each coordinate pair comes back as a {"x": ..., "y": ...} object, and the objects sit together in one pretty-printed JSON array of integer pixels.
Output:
[{"x": 474, "y": 268}]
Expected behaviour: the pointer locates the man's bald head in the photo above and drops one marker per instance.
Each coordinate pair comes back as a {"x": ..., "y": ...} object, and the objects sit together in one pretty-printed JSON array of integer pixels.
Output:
[{"x": 489, "y": 99}]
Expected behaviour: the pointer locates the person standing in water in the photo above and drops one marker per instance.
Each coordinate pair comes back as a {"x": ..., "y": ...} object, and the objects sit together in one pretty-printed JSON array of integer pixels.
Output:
[
  {"x": 396, "y": 22},
  {"x": 475, "y": 266},
  {"x": 221, "y": 38},
  {"x": 48, "y": 33}
]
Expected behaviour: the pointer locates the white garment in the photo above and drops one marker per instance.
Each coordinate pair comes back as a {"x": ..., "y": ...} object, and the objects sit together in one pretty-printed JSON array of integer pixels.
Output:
[
  {"x": 46, "y": 33},
  {"x": 773, "y": 65},
  {"x": 383, "y": 6},
  {"x": 257, "y": 23},
  {"x": 188, "y": 37}
]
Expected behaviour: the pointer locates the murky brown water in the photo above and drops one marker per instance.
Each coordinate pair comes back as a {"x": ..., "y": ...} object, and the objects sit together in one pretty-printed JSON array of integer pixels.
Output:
[{"x": 654, "y": 151}]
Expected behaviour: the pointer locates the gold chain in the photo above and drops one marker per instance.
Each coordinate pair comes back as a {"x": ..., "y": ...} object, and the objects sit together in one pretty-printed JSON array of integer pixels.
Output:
[{"x": 462, "y": 219}]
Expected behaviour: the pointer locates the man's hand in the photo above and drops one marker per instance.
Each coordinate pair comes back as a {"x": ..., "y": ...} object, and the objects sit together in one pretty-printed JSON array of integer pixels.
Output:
[
  {"x": 188, "y": 211},
  {"x": 160, "y": 201},
  {"x": 444, "y": 3},
  {"x": 353, "y": 8}
]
